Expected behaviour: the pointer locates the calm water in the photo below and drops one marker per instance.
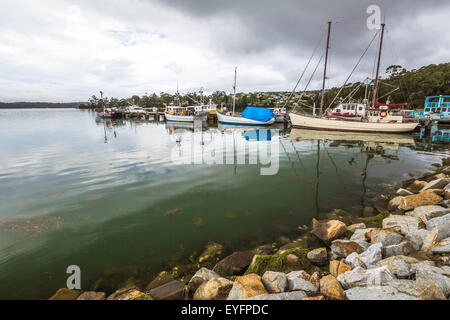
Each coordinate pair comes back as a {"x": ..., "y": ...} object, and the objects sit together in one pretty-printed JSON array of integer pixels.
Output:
[{"x": 113, "y": 197}]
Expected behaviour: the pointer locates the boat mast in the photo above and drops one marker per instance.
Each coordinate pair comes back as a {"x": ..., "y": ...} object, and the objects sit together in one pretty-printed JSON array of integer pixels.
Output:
[
  {"x": 234, "y": 88},
  {"x": 375, "y": 89},
  {"x": 101, "y": 101},
  {"x": 325, "y": 69}
]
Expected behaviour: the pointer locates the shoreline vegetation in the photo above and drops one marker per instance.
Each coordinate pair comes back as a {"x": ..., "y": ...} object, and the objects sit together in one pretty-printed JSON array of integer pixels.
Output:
[
  {"x": 399, "y": 249},
  {"x": 411, "y": 87}
]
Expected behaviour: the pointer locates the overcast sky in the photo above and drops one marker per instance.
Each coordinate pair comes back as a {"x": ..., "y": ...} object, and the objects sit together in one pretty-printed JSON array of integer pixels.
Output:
[{"x": 63, "y": 50}]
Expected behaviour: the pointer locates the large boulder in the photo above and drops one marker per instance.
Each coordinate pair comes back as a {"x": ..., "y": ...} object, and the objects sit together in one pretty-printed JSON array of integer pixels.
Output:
[
  {"x": 201, "y": 276},
  {"x": 402, "y": 224},
  {"x": 275, "y": 282},
  {"x": 360, "y": 277},
  {"x": 428, "y": 197},
  {"x": 301, "y": 280},
  {"x": 361, "y": 234},
  {"x": 318, "y": 256},
  {"x": 342, "y": 248},
  {"x": 330, "y": 230},
  {"x": 402, "y": 249},
  {"x": 234, "y": 264},
  {"x": 436, "y": 184},
  {"x": 246, "y": 287},
  {"x": 386, "y": 237},
  {"x": 426, "y": 213},
  {"x": 401, "y": 266},
  {"x": 331, "y": 288},
  {"x": 442, "y": 224},
  {"x": 214, "y": 289}
]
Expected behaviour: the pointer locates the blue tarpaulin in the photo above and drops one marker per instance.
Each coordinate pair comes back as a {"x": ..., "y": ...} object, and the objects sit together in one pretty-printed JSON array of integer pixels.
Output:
[{"x": 258, "y": 114}]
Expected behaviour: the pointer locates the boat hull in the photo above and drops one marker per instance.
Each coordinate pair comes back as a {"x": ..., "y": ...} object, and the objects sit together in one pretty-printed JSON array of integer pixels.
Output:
[
  {"x": 172, "y": 117},
  {"x": 241, "y": 121},
  {"x": 310, "y": 122}
]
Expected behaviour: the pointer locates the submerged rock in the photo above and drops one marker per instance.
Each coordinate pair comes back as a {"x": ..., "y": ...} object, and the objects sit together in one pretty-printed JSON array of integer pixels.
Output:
[
  {"x": 417, "y": 185},
  {"x": 234, "y": 264},
  {"x": 172, "y": 290},
  {"x": 212, "y": 253},
  {"x": 381, "y": 203},
  {"x": 162, "y": 278},
  {"x": 395, "y": 203},
  {"x": 214, "y": 289},
  {"x": 132, "y": 293}
]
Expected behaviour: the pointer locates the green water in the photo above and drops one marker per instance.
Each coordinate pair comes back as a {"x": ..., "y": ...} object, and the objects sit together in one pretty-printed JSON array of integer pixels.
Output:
[{"x": 109, "y": 198}]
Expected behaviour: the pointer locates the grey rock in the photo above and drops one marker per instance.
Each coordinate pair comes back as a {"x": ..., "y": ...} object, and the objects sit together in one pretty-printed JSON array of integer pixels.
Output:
[
  {"x": 357, "y": 226},
  {"x": 300, "y": 280},
  {"x": 354, "y": 261},
  {"x": 404, "y": 192},
  {"x": 214, "y": 289},
  {"x": 436, "y": 184},
  {"x": 318, "y": 256},
  {"x": 360, "y": 277},
  {"x": 442, "y": 247},
  {"x": 172, "y": 290},
  {"x": 441, "y": 276},
  {"x": 443, "y": 225},
  {"x": 416, "y": 238},
  {"x": 402, "y": 224},
  {"x": 294, "y": 295},
  {"x": 361, "y": 234},
  {"x": 377, "y": 293},
  {"x": 401, "y": 266},
  {"x": 430, "y": 240},
  {"x": 275, "y": 282},
  {"x": 372, "y": 255},
  {"x": 426, "y": 213},
  {"x": 234, "y": 263},
  {"x": 386, "y": 237},
  {"x": 402, "y": 249}
]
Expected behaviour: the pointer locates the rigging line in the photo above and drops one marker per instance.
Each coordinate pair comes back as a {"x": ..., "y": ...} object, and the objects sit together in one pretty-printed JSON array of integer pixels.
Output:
[
  {"x": 360, "y": 58},
  {"x": 307, "y": 65},
  {"x": 298, "y": 156},
  {"x": 309, "y": 81}
]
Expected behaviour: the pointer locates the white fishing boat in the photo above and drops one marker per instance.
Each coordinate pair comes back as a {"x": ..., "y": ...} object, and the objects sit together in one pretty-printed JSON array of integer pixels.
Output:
[
  {"x": 250, "y": 115},
  {"x": 183, "y": 114},
  {"x": 378, "y": 118}
]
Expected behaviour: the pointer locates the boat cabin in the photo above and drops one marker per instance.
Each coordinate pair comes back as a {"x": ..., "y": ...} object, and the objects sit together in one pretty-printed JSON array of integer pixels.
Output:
[
  {"x": 349, "y": 109},
  {"x": 177, "y": 110}
]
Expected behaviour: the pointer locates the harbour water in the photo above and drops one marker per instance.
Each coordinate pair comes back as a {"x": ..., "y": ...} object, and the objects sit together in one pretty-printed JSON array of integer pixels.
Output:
[{"x": 126, "y": 199}]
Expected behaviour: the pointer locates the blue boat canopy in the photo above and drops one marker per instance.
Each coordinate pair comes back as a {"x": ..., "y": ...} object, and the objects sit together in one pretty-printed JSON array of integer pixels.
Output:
[{"x": 258, "y": 114}]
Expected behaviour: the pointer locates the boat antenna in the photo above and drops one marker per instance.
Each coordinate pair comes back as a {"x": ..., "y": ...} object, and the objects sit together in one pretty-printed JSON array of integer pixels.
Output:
[
  {"x": 325, "y": 68},
  {"x": 375, "y": 89},
  {"x": 234, "y": 89}
]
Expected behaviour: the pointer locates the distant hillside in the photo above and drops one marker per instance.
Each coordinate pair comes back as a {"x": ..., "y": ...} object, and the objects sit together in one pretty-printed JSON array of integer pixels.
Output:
[{"x": 34, "y": 105}]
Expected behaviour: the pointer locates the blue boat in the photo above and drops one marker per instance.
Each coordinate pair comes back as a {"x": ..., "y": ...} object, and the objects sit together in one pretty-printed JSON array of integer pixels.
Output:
[{"x": 436, "y": 108}]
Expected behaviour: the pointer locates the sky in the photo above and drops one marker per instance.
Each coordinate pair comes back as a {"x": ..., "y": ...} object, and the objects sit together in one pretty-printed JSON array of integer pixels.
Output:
[{"x": 68, "y": 50}]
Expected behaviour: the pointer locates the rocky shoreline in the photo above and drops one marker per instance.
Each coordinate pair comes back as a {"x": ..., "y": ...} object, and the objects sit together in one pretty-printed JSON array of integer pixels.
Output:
[{"x": 399, "y": 250}]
